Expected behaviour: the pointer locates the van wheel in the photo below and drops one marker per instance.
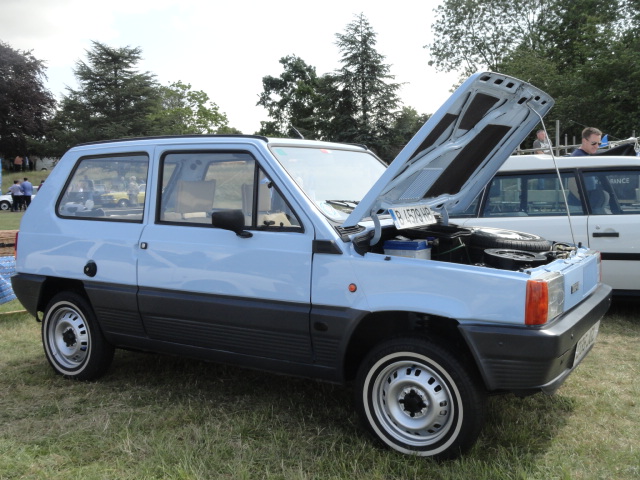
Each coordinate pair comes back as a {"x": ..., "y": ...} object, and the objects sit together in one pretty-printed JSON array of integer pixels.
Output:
[
  {"x": 417, "y": 398},
  {"x": 72, "y": 340}
]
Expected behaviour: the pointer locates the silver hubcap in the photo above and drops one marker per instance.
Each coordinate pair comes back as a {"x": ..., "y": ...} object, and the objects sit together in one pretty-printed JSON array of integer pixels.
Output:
[
  {"x": 68, "y": 338},
  {"x": 413, "y": 403}
]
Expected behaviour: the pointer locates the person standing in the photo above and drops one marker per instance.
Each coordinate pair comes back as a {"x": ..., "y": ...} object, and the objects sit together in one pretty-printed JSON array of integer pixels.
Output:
[
  {"x": 16, "y": 196},
  {"x": 17, "y": 163},
  {"x": 542, "y": 144},
  {"x": 27, "y": 191},
  {"x": 132, "y": 191},
  {"x": 591, "y": 141}
]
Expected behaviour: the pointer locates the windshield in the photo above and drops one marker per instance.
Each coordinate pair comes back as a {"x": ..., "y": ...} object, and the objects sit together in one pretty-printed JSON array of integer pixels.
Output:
[{"x": 335, "y": 180}]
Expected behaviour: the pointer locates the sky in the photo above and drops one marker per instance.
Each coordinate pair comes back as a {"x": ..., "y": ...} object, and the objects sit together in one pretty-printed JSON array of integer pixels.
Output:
[{"x": 225, "y": 48}]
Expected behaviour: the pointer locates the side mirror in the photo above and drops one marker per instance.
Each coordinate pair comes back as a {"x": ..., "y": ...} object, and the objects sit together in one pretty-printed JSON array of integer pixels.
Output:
[{"x": 230, "y": 220}]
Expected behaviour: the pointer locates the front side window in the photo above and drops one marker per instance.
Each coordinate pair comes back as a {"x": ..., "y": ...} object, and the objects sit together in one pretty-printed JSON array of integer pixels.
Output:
[
  {"x": 533, "y": 195},
  {"x": 194, "y": 185},
  {"x": 107, "y": 188}
]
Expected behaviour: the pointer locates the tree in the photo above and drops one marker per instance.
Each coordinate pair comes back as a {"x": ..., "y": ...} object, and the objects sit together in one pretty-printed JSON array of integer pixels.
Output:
[
  {"x": 113, "y": 100},
  {"x": 406, "y": 124},
  {"x": 291, "y": 100},
  {"x": 584, "y": 53},
  {"x": 25, "y": 104},
  {"x": 473, "y": 35},
  {"x": 366, "y": 102},
  {"x": 357, "y": 103},
  {"x": 184, "y": 111}
]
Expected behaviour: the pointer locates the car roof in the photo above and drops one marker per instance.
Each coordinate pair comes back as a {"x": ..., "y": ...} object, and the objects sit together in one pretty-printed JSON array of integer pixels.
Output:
[
  {"x": 517, "y": 163},
  {"x": 214, "y": 139}
]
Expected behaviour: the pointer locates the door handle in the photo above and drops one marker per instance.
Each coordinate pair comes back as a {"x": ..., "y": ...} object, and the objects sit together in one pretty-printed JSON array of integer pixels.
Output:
[{"x": 605, "y": 234}]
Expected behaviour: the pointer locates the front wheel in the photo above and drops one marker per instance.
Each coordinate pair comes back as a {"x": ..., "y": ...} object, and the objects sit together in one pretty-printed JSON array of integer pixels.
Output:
[
  {"x": 72, "y": 340},
  {"x": 417, "y": 398}
]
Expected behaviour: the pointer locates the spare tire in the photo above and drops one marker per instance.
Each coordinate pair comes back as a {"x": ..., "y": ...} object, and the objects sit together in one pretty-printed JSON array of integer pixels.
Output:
[
  {"x": 508, "y": 259},
  {"x": 488, "y": 237}
]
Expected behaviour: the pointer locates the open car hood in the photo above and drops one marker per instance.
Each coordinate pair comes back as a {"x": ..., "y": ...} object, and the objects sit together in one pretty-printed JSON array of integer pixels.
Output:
[{"x": 459, "y": 149}]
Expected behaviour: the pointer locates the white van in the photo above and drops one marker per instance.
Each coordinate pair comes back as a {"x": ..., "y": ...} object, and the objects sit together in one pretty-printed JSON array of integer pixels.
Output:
[{"x": 603, "y": 197}]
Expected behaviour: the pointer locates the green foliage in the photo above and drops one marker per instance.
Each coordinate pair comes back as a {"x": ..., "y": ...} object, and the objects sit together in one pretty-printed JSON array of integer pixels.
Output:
[
  {"x": 114, "y": 100},
  {"x": 291, "y": 100},
  {"x": 405, "y": 126},
  {"x": 370, "y": 100},
  {"x": 184, "y": 111},
  {"x": 584, "y": 53},
  {"x": 357, "y": 103},
  {"x": 25, "y": 104},
  {"x": 471, "y": 35}
]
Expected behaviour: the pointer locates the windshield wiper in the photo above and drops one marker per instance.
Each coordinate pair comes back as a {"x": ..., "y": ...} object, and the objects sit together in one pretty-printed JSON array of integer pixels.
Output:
[{"x": 344, "y": 203}]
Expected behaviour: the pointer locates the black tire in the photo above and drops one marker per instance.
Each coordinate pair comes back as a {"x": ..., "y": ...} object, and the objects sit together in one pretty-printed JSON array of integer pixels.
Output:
[
  {"x": 489, "y": 237},
  {"x": 508, "y": 259},
  {"x": 72, "y": 340},
  {"x": 122, "y": 203},
  {"x": 4, "y": 205},
  {"x": 417, "y": 398}
]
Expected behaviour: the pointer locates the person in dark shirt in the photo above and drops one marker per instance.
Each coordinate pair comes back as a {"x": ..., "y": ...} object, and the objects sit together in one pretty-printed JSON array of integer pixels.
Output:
[{"x": 591, "y": 141}]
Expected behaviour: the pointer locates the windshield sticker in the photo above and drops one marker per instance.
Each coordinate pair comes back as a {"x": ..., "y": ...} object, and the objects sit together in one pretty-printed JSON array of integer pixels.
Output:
[{"x": 328, "y": 210}]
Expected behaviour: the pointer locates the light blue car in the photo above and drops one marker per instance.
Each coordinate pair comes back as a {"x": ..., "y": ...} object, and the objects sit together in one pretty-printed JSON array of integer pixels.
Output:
[{"x": 316, "y": 259}]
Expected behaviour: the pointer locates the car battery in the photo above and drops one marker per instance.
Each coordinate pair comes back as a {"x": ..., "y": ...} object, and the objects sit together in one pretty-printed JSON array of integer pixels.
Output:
[
  {"x": 449, "y": 242},
  {"x": 408, "y": 248}
]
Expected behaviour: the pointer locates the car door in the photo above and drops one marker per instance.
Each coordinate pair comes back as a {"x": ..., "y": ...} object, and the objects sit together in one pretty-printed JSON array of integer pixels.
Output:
[
  {"x": 235, "y": 292},
  {"x": 532, "y": 202},
  {"x": 614, "y": 225}
]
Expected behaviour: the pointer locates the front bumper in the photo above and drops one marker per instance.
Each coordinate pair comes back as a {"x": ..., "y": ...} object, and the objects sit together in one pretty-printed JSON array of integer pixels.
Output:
[{"x": 526, "y": 360}]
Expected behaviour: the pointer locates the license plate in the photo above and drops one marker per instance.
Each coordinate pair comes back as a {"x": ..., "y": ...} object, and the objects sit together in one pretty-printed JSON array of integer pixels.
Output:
[
  {"x": 587, "y": 340},
  {"x": 412, "y": 216}
]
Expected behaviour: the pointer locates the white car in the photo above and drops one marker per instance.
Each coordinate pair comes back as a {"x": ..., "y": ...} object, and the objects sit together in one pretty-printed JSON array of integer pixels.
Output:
[
  {"x": 6, "y": 201},
  {"x": 603, "y": 195}
]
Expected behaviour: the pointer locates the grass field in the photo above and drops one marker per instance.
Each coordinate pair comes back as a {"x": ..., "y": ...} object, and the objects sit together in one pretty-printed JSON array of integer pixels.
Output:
[{"x": 155, "y": 416}]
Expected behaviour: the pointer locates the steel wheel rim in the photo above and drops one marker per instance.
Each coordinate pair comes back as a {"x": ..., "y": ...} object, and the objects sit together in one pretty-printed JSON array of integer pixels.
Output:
[
  {"x": 413, "y": 403},
  {"x": 69, "y": 338}
]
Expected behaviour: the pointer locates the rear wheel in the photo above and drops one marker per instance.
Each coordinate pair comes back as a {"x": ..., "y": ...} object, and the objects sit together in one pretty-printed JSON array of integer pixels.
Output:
[
  {"x": 72, "y": 340},
  {"x": 417, "y": 398},
  {"x": 4, "y": 205}
]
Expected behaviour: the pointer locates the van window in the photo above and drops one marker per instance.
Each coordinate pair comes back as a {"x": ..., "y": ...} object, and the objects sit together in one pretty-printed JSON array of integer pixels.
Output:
[
  {"x": 613, "y": 192},
  {"x": 533, "y": 195},
  {"x": 106, "y": 188},
  {"x": 197, "y": 184}
]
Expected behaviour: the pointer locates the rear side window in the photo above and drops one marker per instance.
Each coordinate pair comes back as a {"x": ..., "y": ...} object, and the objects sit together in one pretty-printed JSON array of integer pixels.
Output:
[
  {"x": 613, "y": 192},
  {"x": 533, "y": 195},
  {"x": 106, "y": 188},
  {"x": 196, "y": 184}
]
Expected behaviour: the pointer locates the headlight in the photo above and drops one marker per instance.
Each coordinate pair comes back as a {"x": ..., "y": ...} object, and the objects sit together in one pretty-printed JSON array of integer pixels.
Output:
[{"x": 545, "y": 298}]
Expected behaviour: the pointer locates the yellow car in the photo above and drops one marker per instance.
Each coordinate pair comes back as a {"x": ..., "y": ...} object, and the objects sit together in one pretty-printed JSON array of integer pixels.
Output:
[{"x": 121, "y": 199}]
